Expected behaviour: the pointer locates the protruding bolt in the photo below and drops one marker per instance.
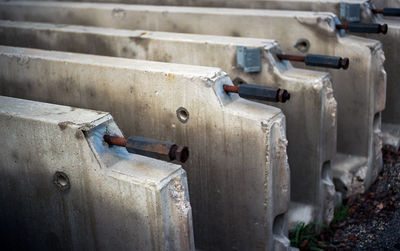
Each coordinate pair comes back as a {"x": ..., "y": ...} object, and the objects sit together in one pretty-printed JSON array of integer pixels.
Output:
[
  {"x": 363, "y": 28},
  {"x": 383, "y": 28},
  {"x": 344, "y": 63},
  {"x": 264, "y": 93},
  {"x": 283, "y": 95},
  {"x": 150, "y": 147},
  {"x": 390, "y": 12},
  {"x": 114, "y": 140},
  {"x": 318, "y": 60},
  {"x": 231, "y": 88},
  {"x": 180, "y": 153}
]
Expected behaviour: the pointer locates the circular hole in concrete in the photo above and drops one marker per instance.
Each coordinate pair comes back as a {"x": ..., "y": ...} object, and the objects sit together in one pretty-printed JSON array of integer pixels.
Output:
[
  {"x": 302, "y": 45},
  {"x": 182, "y": 114},
  {"x": 184, "y": 154},
  {"x": 61, "y": 180}
]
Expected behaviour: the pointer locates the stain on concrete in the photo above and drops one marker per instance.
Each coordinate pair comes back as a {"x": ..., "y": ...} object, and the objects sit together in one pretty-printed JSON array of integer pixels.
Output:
[
  {"x": 79, "y": 135},
  {"x": 118, "y": 13}
]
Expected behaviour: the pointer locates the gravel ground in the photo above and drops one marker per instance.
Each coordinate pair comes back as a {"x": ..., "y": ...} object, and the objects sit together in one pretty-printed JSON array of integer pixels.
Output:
[{"x": 374, "y": 217}]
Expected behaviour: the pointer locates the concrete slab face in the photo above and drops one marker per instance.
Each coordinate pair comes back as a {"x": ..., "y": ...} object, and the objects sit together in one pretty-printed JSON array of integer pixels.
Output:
[
  {"x": 291, "y": 29},
  {"x": 312, "y": 108},
  {"x": 64, "y": 189},
  {"x": 239, "y": 195}
]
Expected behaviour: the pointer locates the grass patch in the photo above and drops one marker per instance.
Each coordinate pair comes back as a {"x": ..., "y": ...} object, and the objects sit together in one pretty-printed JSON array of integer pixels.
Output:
[
  {"x": 305, "y": 237},
  {"x": 341, "y": 213}
]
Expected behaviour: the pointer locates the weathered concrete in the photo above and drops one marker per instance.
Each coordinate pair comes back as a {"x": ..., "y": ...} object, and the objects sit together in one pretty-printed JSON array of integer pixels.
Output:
[
  {"x": 356, "y": 113},
  {"x": 239, "y": 194},
  {"x": 63, "y": 188},
  {"x": 312, "y": 99}
]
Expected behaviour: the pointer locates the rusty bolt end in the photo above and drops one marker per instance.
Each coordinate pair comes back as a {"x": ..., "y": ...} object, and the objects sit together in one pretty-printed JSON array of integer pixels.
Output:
[
  {"x": 344, "y": 63},
  {"x": 182, "y": 153},
  {"x": 230, "y": 88},
  {"x": 377, "y": 11},
  {"x": 114, "y": 140},
  {"x": 383, "y": 28},
  {"x": 107, "y": 139},
  {"x": 342, "y": 27},
  {"x": 283, "y": 95}
]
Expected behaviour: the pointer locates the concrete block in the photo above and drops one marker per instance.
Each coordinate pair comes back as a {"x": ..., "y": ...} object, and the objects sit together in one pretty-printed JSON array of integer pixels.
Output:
[
  {"x": 239, "y": 194},
  {"x": 311, "y": 100},
  {"x": 63, "y": 188},
  {"x": 307, "y": 31}
]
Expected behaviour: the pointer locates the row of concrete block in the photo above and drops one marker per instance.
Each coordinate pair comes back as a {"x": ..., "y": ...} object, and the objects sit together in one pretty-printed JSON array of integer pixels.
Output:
[{"x": 238, "y": 175}]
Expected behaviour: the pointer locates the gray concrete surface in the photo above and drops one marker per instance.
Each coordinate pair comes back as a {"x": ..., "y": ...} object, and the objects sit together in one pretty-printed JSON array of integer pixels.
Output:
[
  {"x": 311, "y": 92},
  {"x": 106, "y": 198},
  {"x": 359, "y": 134},
  {"x": 239, "y": 194}
]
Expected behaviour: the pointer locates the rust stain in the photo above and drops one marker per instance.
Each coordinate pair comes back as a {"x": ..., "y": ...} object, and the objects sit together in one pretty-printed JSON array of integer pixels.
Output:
[
  {"x": 114, "y": 140},
  {"x": 63, "y": 125},
  {"x": 79, "y": 134},
  {"x": 171, "y": 77}
]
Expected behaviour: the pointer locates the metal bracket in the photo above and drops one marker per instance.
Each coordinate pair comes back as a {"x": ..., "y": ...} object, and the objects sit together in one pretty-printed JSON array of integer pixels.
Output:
[
  {"x": 350, "y": 12},
  {"x": 248, "y": 59}
]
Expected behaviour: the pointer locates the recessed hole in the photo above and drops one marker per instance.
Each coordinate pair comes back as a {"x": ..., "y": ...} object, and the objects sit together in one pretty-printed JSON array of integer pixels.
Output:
[
  {"x": 182, "y": 114},
  {"x": 279, "y": 225},
  {"x": 377, "y": 121},
  {"x": 326, "y": 170},
  {"x": 302, "y": 45},
  {"x": 184, "y": 155},
  {"x": 61, "y": 180},
  {"x": 238, "y": 81}
]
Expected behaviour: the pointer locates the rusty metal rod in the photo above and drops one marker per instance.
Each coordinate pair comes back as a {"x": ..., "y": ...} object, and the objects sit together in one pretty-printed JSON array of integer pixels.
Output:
[
  {"x": 264, "y": 93},
  {"x": 318, "y": 60},
  {"x": 150, "y": 147},
  {"x": 363, "y": 28},
  {"x": 391, "y": 12},
  {"x": 377, "y": 11},
  {"x": 231, "y": 88},
  {"x": 291, "y": 57},
  {"x": 114, "y": 140}
]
